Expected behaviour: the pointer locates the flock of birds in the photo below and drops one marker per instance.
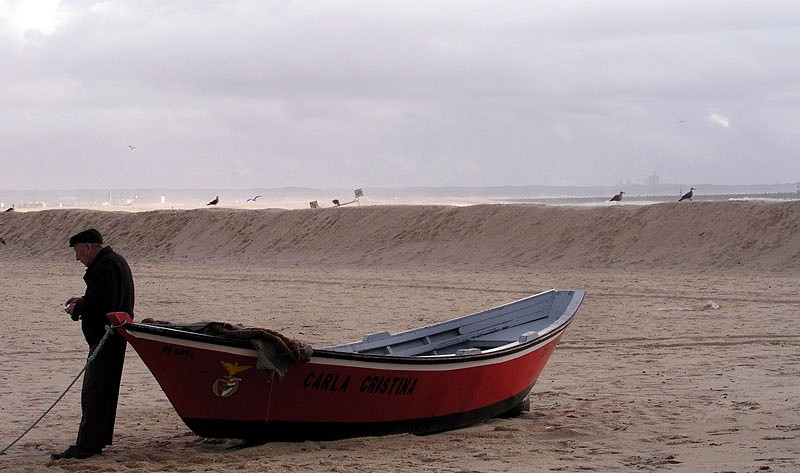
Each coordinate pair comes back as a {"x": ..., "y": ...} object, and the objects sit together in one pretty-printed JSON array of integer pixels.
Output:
[
  {"x": 215, "y": 200},
  {"x": 358, "y": 193},
  {"x": 686, "y": 196}
]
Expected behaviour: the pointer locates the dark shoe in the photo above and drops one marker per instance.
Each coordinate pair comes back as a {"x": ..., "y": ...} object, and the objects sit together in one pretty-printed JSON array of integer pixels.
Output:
[{"x": 75, "y": 452}]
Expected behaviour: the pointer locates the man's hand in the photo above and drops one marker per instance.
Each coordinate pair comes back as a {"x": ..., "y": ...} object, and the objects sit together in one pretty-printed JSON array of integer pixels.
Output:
[{"x": 69, "y": 306}]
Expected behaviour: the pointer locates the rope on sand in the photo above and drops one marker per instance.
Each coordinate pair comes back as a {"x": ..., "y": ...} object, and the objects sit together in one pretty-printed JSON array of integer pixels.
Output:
[{"x": 109, "y": 331}]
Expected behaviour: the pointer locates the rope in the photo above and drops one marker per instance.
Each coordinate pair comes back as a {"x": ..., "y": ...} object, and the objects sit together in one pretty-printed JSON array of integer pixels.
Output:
[{"x": 109, "y": 331}]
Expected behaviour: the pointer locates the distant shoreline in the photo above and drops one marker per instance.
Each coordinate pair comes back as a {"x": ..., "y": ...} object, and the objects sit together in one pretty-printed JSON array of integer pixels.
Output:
[{"x": 289, "y": 203}]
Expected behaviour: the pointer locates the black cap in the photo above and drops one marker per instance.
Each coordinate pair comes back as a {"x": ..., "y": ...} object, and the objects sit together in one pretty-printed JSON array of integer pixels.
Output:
[{"x": 87, "y": 236}]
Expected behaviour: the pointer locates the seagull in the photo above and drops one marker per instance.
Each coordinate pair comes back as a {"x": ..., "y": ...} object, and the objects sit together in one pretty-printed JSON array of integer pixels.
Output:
[
  {"x": 336, "y": 202},
  {"x": 254, "y": 198},
  {"x": 617, "y": 198},
  {"x": 214, "y": 202},
  {"x": 688, "y": 195},
  {"x": 132, "y": 147}
]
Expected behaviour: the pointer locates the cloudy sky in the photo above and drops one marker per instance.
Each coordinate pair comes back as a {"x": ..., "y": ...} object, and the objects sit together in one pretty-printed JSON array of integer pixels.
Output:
[{"x": 264, "y": 93}]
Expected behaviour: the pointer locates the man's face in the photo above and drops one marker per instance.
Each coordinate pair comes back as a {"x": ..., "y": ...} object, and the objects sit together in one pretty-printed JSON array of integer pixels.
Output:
[{"x": 83, "y": 253}]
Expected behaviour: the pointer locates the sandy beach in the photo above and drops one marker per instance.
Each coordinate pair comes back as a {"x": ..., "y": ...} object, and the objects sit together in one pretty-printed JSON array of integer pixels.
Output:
[{"x": 684, "y": 357}]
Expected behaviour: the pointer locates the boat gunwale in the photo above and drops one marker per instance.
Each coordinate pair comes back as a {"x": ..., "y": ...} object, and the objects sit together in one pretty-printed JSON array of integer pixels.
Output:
[{"x": 502, "y": 350}]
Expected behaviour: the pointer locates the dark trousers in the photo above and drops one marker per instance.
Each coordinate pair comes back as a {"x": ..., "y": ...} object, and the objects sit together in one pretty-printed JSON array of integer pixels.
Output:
[{"x": 100, "y": 393}]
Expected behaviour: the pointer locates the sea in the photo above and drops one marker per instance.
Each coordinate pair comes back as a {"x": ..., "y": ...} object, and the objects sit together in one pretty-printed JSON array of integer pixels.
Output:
[{"x": 635, "y": 194}]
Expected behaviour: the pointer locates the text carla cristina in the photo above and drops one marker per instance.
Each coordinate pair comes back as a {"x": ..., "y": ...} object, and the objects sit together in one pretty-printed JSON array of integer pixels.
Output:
[{"x": 389, "y": 385}]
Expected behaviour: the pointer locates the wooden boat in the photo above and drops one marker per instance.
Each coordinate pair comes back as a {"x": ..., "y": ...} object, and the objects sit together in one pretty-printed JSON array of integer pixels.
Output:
[{"x": 430, "y": 379}]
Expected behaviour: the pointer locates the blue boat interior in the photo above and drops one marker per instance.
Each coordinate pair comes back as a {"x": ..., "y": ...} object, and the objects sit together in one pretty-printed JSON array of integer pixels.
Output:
[{"x": 523, "y": 321}]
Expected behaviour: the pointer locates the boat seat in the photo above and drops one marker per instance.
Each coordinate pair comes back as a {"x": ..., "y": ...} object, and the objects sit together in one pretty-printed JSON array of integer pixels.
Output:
[{"x": 464, "y": 334}]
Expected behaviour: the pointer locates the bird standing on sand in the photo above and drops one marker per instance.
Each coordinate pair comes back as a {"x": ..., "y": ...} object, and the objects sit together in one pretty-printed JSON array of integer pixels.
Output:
[
  {"x": 214, "y": 202},
  {"x": 617, "y": 198},
  {"x": 688, "y": 195},
  {"x": 254, "y": 198}
]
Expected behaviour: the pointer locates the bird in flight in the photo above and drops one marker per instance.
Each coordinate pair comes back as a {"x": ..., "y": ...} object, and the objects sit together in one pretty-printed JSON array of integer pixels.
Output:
[
  {"x": 688, "y": 195},
  {"x": 616, "y": 198},
  {"x": 214, "y": 202},
  {"x": 132, "y": 147},
  {"x": 253, "y": 198}
]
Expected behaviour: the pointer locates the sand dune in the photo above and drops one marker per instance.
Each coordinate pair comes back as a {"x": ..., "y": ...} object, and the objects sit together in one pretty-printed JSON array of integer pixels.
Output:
[{"x": 698, "y": 235}]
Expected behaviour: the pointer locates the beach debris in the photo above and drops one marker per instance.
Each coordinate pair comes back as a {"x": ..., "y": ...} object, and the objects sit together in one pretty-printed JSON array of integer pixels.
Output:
[
  {"x": 358, "y": 193},
  {"x": 214, "y": 202},
  {"x": 709, "y": 305},
  {"x": 2, "y": 241},
  {"x": 314, "y": 204},
  {"x": 617, "y": 197},
  {"x": 688, "y": 195}
]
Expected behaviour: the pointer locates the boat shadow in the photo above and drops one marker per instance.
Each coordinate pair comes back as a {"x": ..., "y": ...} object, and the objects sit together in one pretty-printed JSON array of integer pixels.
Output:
[{"x": 212, "y": 445}]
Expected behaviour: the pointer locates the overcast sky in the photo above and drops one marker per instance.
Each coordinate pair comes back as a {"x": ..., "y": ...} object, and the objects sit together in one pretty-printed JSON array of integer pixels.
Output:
[{"x": 390, "y": 93}]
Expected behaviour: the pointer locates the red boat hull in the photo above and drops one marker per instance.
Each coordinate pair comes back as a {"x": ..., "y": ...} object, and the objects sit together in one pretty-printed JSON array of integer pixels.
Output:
[{"x": 218, "y": 392}]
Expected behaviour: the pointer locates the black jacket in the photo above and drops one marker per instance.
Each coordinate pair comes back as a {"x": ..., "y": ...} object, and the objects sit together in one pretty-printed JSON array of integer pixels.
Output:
[{"x": 109, "y": 288}]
